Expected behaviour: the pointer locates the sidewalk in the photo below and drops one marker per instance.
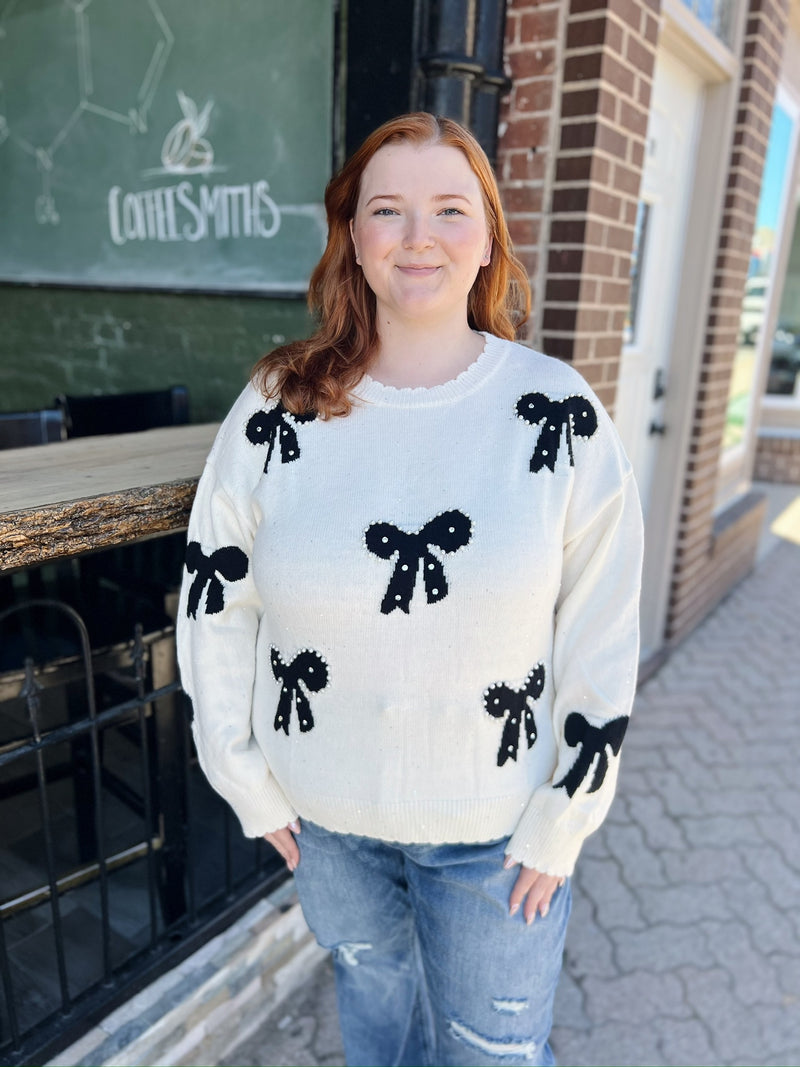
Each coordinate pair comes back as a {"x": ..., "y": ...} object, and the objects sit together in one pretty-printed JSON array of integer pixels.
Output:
[{"x": 684, "y": 945}]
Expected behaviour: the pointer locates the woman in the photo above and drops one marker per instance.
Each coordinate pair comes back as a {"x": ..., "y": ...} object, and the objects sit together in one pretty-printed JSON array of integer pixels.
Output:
[{"x": 409, "y": 624}]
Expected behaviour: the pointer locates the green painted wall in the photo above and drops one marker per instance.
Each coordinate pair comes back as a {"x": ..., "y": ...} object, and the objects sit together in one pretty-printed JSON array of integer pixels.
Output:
[{"x": 83, "y": 341}]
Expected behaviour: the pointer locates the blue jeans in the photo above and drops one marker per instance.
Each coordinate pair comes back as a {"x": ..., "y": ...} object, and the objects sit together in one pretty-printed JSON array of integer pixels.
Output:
[{"x": 429, "y": 967}]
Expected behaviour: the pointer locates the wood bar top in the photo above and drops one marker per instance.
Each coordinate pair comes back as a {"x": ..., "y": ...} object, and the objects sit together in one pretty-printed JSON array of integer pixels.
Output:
[{"x": 62, "y": 499}]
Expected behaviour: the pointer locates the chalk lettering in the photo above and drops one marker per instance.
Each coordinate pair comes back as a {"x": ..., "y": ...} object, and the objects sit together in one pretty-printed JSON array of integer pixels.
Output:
[
  {"x": 215, "y": 203},
  {"x": 184, "y": 212},
  {"x": 147, "y": 200},
  {"x": 133, "y": 224},
  {"x": 183, "y": 193},
  {"x": 261, "y": 190},
  {"x": 169, "y": 201},
  {"x": 113, "y": 215},
  {"x": 240, "y": 212}
]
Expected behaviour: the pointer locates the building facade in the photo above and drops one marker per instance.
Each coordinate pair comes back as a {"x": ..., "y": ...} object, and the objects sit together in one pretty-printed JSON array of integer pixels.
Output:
[
  {"x": 647, "y": 154},
  {"x": 634, "y": 146}
]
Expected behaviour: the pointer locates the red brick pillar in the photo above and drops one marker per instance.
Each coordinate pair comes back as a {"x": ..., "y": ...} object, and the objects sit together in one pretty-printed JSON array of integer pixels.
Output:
[
  {"x": 708, "y": 565},
  {"x": 528, "y": 121},
  {"x": 605, "y": 96},
  {"x": 570, "y": 163}
]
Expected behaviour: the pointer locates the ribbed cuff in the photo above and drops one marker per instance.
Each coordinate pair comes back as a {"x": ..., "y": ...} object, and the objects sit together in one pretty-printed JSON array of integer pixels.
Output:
[
  {"x": 550, "y": 844},
  {"x": 261, "y": 809}
]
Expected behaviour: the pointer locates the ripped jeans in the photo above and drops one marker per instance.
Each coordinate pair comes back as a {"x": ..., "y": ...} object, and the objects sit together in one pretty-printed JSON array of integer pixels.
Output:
[{"x": 429, "y": 967}]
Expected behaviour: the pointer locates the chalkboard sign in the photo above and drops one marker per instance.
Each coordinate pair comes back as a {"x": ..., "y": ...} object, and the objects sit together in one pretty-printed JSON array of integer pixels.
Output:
[{"x": 165, "y": 143}]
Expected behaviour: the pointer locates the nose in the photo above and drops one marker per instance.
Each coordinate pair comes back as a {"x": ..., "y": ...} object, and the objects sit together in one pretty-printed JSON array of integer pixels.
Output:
[{"x": 417, "y": 232}]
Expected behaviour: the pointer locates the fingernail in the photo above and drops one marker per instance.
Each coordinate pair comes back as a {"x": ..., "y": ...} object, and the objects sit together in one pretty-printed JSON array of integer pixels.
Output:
[
  {"x": 509, "y": 862},
  {"x": 513, "y": 909},
  {"x": 545, "y": 910},
  {"x": 530, "y": 919},
  {"x": 294, "y": 827}
]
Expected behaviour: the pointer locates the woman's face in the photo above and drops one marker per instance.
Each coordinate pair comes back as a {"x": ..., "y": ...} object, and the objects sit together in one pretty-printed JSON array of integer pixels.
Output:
[{"x": 420, "y": 232}]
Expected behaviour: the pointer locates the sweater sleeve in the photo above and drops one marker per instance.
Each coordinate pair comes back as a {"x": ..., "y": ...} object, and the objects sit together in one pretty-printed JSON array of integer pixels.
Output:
[
  {"x": 217, "y": 629},
  {"x": 595, "y": 658}
]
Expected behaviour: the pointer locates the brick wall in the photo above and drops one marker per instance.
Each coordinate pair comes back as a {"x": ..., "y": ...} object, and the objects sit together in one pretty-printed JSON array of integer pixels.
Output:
[
  {"x": 698, "y": 576},
  {"x": 778, "y": 458},
  {"x": 528, "y": 121},
  {"x": 570, "y": 162}
]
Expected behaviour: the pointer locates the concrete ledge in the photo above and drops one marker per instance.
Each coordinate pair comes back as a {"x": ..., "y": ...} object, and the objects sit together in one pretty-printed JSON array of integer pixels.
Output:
[
  {"x": 745, "y": 513},
  {"x": 213, "y": 1000},
  {"x": 779, "y": 433}
]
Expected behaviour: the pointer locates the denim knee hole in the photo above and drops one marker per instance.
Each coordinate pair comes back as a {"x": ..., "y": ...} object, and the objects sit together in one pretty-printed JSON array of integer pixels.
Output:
[
  {"x": 347, "y": 951},
  {"x": 508, "y": 1006},
  {"x": 491, "y": 1046}
]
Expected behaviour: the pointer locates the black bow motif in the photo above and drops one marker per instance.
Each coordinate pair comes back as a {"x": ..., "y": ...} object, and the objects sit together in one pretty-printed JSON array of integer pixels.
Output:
[
  {"x": 502, "y": 699},
  {"x": 307, "y": 669},
  {"x": 231, "y": 563},
  {"x": 449, "y": 531},
  {"x": 593, "y": 741},
  {"x": 574, "y": 414},
  {"x": 277, "y": 425}
]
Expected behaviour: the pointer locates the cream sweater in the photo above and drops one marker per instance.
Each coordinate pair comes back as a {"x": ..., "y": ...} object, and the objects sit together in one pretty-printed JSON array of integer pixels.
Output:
[{"x": 419, "y": 622}]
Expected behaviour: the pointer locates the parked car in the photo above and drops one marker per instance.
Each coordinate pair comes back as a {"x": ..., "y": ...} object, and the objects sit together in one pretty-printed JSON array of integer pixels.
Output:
[
  {"x": 785, "y": 364},
  {"x": 753, "y": 307}
]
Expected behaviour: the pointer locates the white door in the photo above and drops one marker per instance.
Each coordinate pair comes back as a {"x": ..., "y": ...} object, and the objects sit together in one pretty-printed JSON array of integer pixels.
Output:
[
  {"x": 651, "y": 371},
  {"x": 667, "y": 182}
]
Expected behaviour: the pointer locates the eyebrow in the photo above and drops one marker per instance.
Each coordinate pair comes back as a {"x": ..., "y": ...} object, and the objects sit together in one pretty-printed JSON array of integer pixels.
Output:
[{"x": 396, "y": 196}]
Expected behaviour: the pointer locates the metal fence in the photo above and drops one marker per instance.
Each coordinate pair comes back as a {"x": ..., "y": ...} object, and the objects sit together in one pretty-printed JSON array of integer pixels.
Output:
[{"x": 116, "y": 858}]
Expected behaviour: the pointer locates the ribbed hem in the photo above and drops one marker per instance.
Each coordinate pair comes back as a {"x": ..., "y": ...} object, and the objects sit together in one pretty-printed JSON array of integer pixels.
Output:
[
  {"x": 434, "y": 822},
  {"x": 493, "y": 355}
]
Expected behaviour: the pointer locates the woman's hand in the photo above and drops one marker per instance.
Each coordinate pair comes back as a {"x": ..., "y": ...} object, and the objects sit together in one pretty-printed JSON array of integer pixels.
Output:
[
  {"x": 534, "y": 888},
  {"x": 283, "y": 840}
]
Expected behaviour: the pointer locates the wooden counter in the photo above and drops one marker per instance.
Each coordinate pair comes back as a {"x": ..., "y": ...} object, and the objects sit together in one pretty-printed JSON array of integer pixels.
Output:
[{"x": 62, "y": 499}]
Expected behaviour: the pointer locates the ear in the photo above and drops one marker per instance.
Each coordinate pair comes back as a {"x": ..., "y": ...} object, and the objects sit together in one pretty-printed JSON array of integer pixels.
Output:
[
  {"x": 487, "y": 255},
  {"x": 353, "y": 239}
]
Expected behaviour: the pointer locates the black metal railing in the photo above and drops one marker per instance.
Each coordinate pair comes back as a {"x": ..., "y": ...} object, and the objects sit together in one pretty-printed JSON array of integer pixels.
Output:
[{"x": 116, "y": 858}]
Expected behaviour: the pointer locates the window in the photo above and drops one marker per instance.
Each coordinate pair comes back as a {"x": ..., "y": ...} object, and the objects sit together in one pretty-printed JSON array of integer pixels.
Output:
[
  {"x": 717, "y": 15},
  {"x": 637, "y": 262},
  {"x": 783, "y": 379},
  {"x": 759, "y": 282},
  {"x": 761, "y": 331}
]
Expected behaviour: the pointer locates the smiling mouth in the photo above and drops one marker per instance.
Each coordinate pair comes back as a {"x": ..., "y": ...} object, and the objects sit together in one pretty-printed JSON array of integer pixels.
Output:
[{"x": 420, "y": 268}]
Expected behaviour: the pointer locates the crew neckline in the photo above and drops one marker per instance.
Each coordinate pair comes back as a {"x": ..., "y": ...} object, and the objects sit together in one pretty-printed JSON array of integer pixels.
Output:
[{"x": 471, "y": 378}]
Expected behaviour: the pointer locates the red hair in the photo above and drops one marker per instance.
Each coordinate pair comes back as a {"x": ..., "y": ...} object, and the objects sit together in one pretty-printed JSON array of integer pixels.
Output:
[{"x": 319, "y": 373}]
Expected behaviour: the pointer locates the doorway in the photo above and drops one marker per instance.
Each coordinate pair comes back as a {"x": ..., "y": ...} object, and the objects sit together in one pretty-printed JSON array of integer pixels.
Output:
[{"x": 651, "y": 370}]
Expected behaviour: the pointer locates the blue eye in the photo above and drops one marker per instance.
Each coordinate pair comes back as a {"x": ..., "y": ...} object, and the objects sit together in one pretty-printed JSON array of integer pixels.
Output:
[
  {"x": 452, "y": 211},
  {"x": 384, "y": 211}
]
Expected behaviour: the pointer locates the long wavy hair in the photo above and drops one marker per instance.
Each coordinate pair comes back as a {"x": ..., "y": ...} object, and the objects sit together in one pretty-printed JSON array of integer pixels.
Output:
[{"x": 319, "y": 373}]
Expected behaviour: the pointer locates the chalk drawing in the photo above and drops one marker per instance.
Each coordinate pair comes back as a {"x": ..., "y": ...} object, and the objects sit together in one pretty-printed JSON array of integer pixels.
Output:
[
  {"x": 45, "y": 209},
  {"x": 175, "y": 212},
  {"x": 185, "y": 149}
]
